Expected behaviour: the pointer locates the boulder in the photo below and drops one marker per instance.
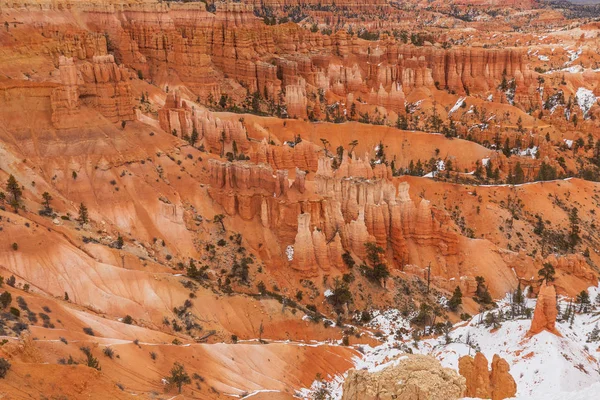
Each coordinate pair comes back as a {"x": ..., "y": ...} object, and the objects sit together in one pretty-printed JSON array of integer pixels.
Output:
[{"x": 409, "y": 377}]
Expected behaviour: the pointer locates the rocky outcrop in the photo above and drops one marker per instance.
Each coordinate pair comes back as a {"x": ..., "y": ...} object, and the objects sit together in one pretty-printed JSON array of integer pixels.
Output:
[
  {"x": 346, "y": 213},
  {"x": 496, "y": 384},
  {"x": 502, "y": 383},
  {"x": 544, "y": 316},
  {"x": 105, "y": 87},
  {"x": 303, "y": 155},
  {"x": 182, "y": 118},
  {"x": 386, "y": 212},
  {"x": 409, "y": 377},
  {"x": 475, "y": 370}
]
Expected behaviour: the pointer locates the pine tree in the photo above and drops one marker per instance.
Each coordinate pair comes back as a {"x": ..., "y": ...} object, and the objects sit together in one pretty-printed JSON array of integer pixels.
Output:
[
  {"x": 178, "y": 377},
  {"x": 574, "y": 238},
  {"x": 583, "y": 299},
  {"x": 194, "y": 137},
  {"x": 83, "y": 214},
  {"x": 506, "y": 149},
  {"x": 546, "y": 273},
  {"x": 594, "y": 335},
  {"x": 120, "y": 242},
  {"x": 519, "y": 174},
  {"x": 13, "y": 188},
  {"x": 47, "y": 198},
  {"x": 455, "y": 300},
  {"x": 482, "y": 295}
]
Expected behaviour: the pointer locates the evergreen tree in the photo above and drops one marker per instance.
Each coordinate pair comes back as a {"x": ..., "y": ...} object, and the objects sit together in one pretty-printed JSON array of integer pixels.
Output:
[
  {"x": 506, "y": 149},
  {"x": 194, "y": 137},
  {"x": 482, "y": 295},
  {"x": 594, "y": 335},
  {"x": 519, "y": 174},
  {"x": 583, "y": 299},
  {"x": 546, "y": 273},
  {"x": 120, "y": 242},
  {"x": 47, "y": 198},
  {"x": 13, "y": 188},
  {"x": 455, "y": 300},
  {"x": 401, "y": 122},
  {"x": 178, "y": 377},
  {"x": 83, "y": 214},
  {"x": 574, "y": 237}
]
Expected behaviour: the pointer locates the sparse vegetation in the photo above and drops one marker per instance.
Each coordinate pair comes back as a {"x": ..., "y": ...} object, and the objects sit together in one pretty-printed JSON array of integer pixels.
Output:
[{"x": 178, "y": 377}]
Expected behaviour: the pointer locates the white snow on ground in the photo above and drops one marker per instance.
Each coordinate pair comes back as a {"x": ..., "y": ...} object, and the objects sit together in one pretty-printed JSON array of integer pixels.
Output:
[
  {"x": 545, "y": 367},
  {"x": 544, "y": 58},
  {"x": 456, "y": 106},
  {"x": 574, "y": 69},
  {"x": 586, "y": 99},
  {"x": 485, "y": 161},
  {"x": 568, "y": 142},
  {"x": 441, "y": 165},
  {"x": 574, "y": 55},
  {"x": 529, "y": 152}
]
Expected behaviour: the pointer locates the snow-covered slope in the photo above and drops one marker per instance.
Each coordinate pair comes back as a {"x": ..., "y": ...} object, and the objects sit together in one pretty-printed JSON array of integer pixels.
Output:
[{"x": 544, "y": 366}]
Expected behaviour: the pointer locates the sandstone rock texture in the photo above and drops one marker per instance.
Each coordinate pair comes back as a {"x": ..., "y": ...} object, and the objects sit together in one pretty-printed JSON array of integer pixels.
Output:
[
  {"x": 411, "y": 377},
  {"x": 544, "y": 316},
  {"x": 496, "y": 384}
]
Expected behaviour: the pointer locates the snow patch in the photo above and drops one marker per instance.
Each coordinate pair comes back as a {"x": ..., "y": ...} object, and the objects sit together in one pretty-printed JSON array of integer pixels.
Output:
[
  {"x": 456, "y": 106},
  {"x": 586, "y": 99},
  {"x": 289, "y": 252}
]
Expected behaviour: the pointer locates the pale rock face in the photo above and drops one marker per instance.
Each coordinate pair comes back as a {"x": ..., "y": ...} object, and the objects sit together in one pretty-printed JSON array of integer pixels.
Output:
[
  {"x": 413, "y": 377},
  {"x": 305, "y": 259}
]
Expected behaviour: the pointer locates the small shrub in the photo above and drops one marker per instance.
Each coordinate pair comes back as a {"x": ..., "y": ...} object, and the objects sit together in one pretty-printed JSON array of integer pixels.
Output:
[
  {"x": 108, "y": 352},
  {"x": 153, "y": 355},
  {"x": 15, "y": 246},
  {"x": 4, "y": 367},
  {"x": 5, "y": 299},
  {"x": 127, "y": 320},
  {"x": 91, "y": 361},
  {"x": 88, "y": 331},
  {"x": 15, "y": 311},
  {"x": 20, "y": 327}
]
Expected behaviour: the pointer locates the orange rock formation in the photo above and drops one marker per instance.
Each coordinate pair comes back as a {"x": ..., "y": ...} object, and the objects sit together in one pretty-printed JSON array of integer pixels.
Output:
[
  {"x": 544, "y": 316},
  {"x": 496, "y": 384}
]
